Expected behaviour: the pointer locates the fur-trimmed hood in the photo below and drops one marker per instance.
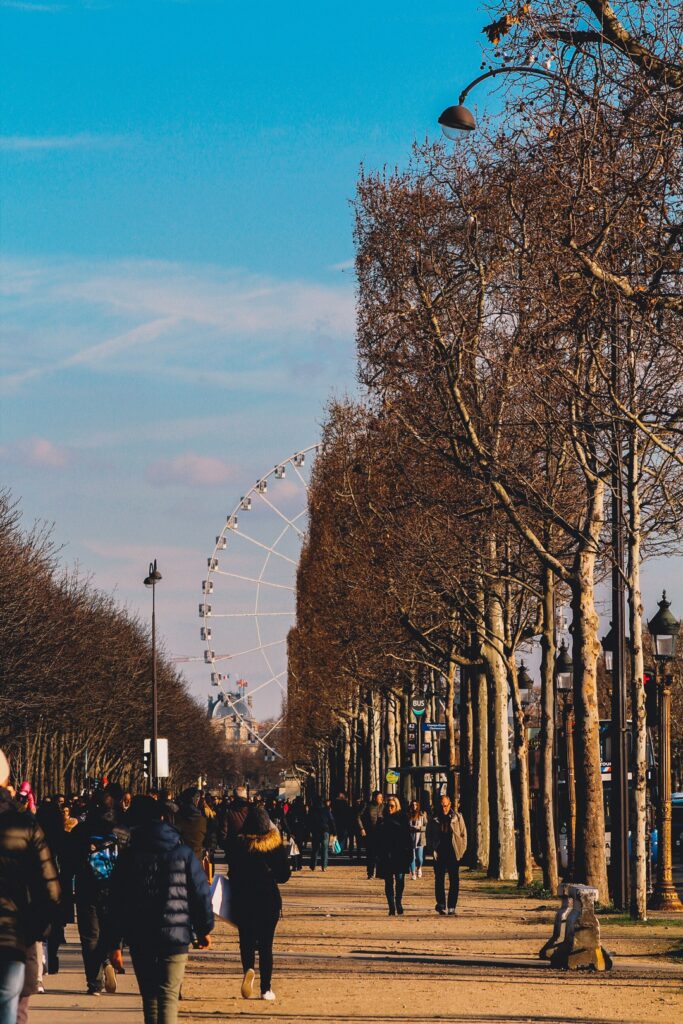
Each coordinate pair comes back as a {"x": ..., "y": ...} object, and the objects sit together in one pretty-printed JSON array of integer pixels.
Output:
[{"x": 263, "y": 844}]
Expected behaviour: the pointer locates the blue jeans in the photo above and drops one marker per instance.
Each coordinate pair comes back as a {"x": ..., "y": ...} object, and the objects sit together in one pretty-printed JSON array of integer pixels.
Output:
[
  {"x": 418, "y": 859},
  {"x": 320, "y": 847},
  {"x": 11, "y": 984}
]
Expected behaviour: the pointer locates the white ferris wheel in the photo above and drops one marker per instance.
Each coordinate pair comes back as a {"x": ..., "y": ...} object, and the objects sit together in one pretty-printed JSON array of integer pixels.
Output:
[{"x": 249, "y": 599}]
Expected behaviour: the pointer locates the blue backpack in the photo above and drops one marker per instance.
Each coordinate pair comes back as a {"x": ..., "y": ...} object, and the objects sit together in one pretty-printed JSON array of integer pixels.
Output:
[{"x": 102, "y": 857}]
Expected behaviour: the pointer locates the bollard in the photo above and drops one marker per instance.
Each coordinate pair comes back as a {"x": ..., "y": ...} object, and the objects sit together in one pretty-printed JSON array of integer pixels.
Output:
[{"x": 579, "y": 946}]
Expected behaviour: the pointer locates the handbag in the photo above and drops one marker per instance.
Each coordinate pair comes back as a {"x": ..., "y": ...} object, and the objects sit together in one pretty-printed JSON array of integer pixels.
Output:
[
  {"x": 336, "y": 846},
  {"x": 221, "y": 898}
]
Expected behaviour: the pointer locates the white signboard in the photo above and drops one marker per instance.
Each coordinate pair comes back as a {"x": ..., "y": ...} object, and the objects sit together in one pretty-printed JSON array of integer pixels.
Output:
[{"x": 162, "y": 756}]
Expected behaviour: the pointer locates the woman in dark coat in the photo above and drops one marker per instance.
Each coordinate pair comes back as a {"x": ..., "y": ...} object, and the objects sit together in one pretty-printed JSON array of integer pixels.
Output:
[
  {"x": 394, "y": 853},
  {"x": 257, "y": 862}
]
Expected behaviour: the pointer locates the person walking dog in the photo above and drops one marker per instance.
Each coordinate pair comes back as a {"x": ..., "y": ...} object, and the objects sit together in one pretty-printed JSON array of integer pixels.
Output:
[
  {"x": 258, "y": 862},
  {"x": 447, "y": 836}
]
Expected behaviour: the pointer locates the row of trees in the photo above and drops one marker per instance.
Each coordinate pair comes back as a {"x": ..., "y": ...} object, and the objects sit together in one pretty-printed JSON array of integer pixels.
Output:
[
  {"x": 76, "y": 670},
  {"x": 519, "y": 341}
]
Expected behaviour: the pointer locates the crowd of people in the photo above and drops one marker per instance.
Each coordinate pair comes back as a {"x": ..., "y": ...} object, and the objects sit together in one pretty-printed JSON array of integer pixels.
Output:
[{"x": 135, "y": 870}]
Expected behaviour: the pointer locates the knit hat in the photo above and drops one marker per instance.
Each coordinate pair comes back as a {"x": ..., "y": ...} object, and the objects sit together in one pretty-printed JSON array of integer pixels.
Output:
[
  {"x": 257, "y": 822},
  {"x": 4, "y": 769}
]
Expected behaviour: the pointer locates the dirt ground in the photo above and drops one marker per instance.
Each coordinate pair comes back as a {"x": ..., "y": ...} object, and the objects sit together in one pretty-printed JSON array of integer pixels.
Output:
[{"x": 339, "y": 957}]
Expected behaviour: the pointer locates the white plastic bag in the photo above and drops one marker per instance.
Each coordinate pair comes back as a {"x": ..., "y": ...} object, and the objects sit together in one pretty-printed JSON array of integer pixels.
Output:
[{"x": 221, "y": 898}]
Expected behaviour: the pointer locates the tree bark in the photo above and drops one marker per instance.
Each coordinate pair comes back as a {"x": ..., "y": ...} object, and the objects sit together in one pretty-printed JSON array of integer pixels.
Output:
[
  {"x": 548, "y": 846},
  {"x": 590, "y": 866},
  {"x": 502, "y": 856}
]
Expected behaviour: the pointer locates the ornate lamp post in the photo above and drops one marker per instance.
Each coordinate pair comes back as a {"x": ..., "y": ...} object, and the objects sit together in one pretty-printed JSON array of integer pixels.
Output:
[
  {"x": 614, "y": 648},
  {"x": 151, "y": 580},
  {"x": 564, "y": 681},
  {"x": 664, "y": 629}
]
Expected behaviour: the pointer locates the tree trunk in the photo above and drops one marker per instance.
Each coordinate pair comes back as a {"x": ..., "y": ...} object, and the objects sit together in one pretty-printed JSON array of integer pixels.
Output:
[
  {"x": 548, "y": 846},
  {"x": 525, "y": 864},
  {"x": 466, "y": 748},
  {"x": 590, "y": 866},
  {"x": 502, "y": 857}
]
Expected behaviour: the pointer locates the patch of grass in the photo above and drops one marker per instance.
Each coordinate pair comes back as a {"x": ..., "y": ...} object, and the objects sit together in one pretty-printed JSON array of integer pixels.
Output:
[{"x": 622, "y": 920}]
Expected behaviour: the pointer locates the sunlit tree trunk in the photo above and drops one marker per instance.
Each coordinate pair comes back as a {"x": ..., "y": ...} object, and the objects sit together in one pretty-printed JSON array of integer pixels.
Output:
[{"x": 548, "y": 846}]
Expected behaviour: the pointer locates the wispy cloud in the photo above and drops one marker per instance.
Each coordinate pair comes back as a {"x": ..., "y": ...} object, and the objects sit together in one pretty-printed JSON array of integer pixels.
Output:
[
  {"x": 200, "y": 324},
  {"x": 190, "y": 470},
  {"x": 36, "y": 143},
  {"x": 37, "y": 8},
  {"x": 37, "y": 453}
]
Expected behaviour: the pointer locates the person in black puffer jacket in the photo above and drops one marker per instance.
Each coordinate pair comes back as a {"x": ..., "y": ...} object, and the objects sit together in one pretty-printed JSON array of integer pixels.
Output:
[
  {"x": 29, "y": 893},
  {"x": 160, "y": 896},
  {"x": 257, "y": 862}
]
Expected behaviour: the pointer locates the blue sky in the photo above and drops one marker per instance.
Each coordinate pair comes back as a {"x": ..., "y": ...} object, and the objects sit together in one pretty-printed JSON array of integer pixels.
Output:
[{"x": 176, "y": 236}]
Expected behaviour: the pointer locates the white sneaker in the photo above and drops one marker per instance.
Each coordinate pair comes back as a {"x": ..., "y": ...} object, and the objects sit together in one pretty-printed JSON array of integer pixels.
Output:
[
  {"x": 451, "y": 911},
  {"x": 41, "y": 989},
  {"x": 109, "y": 978},
  {"x": 413, "y": 875},
  {"x": 248, "y": 984},
  {"x": 419, "y": 872},
  {"x": 269, "y": 995}
]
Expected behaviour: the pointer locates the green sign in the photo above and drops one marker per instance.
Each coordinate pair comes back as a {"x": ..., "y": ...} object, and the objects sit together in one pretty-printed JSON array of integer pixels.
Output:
[
  {"x": 419, "y": 706},
  {"x": 392, "y": 777}
]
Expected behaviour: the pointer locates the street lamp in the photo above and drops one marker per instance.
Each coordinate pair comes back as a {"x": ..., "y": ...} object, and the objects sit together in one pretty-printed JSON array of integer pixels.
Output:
[
  {"x": 564, "y": 681},
  {"x": 151, "y": 580},
  {"x": 664, "y": 629},
  {"x": 459, "y": 118},
  {"x": 608, "y": 648}
]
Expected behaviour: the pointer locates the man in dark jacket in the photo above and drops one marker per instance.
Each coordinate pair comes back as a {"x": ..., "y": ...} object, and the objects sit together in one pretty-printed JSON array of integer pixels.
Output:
[
  {"x": 367, "y": 822},
  {"x": 160, "y": 897},
  {"x": 190, "y": 822},
  {"x": 29, "y": 894},
  {"x": 232, "y": 816},
  {"x": 321, "y": 825},
  {"x": 93, "y": 847}
]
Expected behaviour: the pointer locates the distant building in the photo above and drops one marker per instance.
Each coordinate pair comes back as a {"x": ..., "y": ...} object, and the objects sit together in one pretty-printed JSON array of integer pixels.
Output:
[{"x": 232, "y": 715}]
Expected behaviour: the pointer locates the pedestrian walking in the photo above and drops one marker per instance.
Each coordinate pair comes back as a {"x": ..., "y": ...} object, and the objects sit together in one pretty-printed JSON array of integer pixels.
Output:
[
  {"x": 447, "y": 836},
  {"x": 355, "y": 839},
  {"x": 394, "y": 850},
  {"x": 190, "y": 821},
  {"x": 321, "y": 825},
  {"x": 160, "y": 900},
  {"x": 50, "y": 818},
  {"x": 342, "y": 816},
  {"x": 367, "y": 823},
  {"x": 232, "y": 816},
  {"x": 93, "y": 849},
  {"x": 29, "y": 896},
  {"x": 257, "y": 864},
  {"x": 417, "y": 822},
  {"x": 297, "y": 824}
]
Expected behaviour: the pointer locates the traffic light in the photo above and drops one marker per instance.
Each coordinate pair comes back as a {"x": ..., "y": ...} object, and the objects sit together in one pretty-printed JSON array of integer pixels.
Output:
[
  {"x": 147, "y": 763},
  {"x": 650, "y": 684}
]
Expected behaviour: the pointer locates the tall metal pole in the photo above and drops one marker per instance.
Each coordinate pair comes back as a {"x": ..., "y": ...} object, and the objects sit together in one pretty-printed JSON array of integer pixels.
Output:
[
  {"x": 155, "y": 722},
  {"x": 665, "y": 896},
  {"x": 571, "y": 783},
  {"x": 619, "y": 797}
]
